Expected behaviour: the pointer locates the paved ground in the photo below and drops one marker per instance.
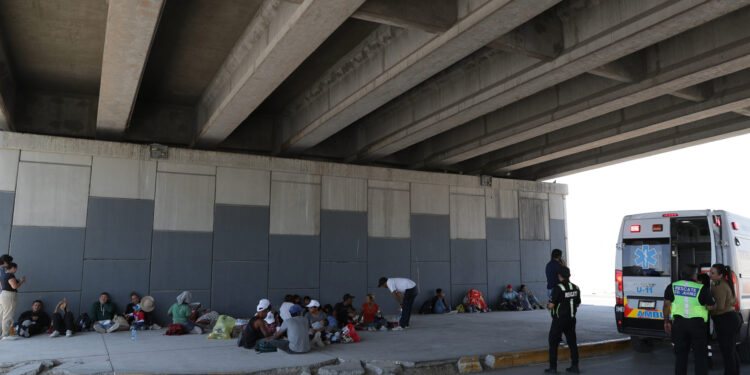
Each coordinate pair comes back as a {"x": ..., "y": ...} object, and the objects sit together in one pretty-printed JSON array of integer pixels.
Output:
[
  {"x": 431, "y": 337},
  {"x": 660, "y": 361}
]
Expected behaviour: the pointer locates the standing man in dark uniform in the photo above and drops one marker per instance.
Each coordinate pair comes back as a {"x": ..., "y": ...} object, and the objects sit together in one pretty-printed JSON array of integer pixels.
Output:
[
  {"x": 563, "y": 304},
  {"x": 686, "y": 302}
]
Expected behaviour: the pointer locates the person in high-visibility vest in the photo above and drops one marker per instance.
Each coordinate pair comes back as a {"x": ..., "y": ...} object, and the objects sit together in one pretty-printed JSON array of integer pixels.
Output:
[
  {"x": 685, "y": 315},
  {"x": 563, "y": 305}
]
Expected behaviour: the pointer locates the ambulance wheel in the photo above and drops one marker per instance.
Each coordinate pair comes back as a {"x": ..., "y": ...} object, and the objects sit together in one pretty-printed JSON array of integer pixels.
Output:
[{"x": 641, "y": 344}]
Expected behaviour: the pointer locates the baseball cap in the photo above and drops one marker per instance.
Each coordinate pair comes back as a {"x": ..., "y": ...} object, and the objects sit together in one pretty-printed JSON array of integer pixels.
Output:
[
  {"x": 295, "y": 309},
  {"x": 263, "y": 304},
  {"x": 313, "y": 303},
  {"x": 509, "y": 286},
  {"x": 347, "y": 296}
]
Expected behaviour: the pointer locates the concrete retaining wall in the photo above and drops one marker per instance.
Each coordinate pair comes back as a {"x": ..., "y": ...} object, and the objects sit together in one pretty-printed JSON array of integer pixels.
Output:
[{"x": 81, "y": 217}]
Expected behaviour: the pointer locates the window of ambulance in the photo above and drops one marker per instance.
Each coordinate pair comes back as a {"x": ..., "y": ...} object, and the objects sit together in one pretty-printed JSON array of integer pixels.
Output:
[{"x": 646, "y": 257}]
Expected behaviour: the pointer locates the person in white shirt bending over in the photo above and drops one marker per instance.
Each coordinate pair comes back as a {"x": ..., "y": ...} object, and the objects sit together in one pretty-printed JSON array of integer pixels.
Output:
[{"x": 404, "y": 291}]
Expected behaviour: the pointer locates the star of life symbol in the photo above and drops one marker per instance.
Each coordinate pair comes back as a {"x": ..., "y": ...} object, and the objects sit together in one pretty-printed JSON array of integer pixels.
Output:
[{"x": 645, "y": 256}]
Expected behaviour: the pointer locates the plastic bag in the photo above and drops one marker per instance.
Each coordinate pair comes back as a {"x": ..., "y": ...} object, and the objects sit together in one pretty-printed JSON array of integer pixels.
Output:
[{"x": 223, "y": 328}]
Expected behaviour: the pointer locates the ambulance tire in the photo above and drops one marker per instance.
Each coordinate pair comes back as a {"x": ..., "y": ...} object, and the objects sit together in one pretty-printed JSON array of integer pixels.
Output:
[{"x": 641, "y": 344}]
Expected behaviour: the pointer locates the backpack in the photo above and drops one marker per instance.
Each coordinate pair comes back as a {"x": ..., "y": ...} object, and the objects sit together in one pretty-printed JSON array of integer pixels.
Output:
[
  {"x": 264, "y": 346},
  {"x": 426, "y": 307},
  {"x": 83, "y": 323},
  {"x": 175, "y": 329}
]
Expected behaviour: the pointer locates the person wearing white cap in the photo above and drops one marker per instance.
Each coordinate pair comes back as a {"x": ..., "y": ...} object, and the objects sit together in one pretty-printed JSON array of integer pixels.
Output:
[
  {"x": 316, "y": 317},
  {"x": 256, "y": 328}
]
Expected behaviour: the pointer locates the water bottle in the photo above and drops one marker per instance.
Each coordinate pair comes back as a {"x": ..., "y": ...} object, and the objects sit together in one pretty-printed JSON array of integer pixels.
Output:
[{"x": 132, "y": 333}]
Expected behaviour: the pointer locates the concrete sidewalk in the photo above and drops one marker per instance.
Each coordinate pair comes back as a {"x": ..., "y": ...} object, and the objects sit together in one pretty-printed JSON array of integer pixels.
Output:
[{"x": 431, "y": 338}]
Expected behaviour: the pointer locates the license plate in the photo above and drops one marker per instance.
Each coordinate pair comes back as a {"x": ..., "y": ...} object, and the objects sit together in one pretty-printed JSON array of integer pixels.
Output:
[{"x": 646, "y": 304}]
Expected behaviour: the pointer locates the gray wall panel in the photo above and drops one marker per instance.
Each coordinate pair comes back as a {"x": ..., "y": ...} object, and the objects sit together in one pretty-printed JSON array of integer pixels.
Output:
[
  {"x": 117, "y": 277},
  {"x": 6, "y": 219},
  {"x": 343, "y": 236},
  {"x": 534, "y": 258},
  {"x": 49, "y": 301},
  {"x": 50, "y": 258},
  {"x": 237, "y": 287},
  {"x": 499, "y": 275},
  {"x": 430, "y": 238},
  {"x": 294, "y": 262},
  {"x": 388, "y": 257},
  {"x": 557, "y": 234},
  {"x": 337, "y": 279},
  {"x": 534, "y": 219},
  {"x": 163, "y": 299},
  {"x": 503, "y": 240},
  {"x": 119, "y": 228},
  {"x": 458, "y": 292},
  {"x": 241, "y": 232},
  {"x": 181, "y": 260},
  {"x": 430, "y": 276},
  {"x": 468, "y": 261}
]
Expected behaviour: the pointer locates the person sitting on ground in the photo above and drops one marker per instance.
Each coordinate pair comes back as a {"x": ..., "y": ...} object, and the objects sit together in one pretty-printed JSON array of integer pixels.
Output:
[
  {"x": 528, "y": 300},
  {"x": 62, "y": 320},
  {"x": 147, "y": 306},
  {"x": 369, "y": 311},
  {"x": 139, "y": 318},
  {"x": 306, "y": 301},
  {"x": 256, "y": 329},
  {"x": 296, "y": 329},
  {"x": 272, "y": 319},
  {"x": 344, "y": 311},
  {"x": 205, "y": 318},
  {"x": 316, "y": 317},
  {"x": 439, "y": 303},
  {"x": 512, "y": 297},
  {"x": 180, "y": 312},
  {"x": 102, "y": 314},
  {"x": 32, "y": 322},
  {"x": 332, "y": 322},
  {"x": 475, "y": 301},
  {"x": 285, "y": 306}
]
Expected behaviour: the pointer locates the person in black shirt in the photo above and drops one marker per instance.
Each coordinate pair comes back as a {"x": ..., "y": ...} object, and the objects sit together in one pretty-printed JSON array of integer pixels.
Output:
[
  {"x": 553, "y": 269},
  {"x": 344, "y": 311},
  {"x": 563, "y": 305},
  {"x": 32, "y": 322}
]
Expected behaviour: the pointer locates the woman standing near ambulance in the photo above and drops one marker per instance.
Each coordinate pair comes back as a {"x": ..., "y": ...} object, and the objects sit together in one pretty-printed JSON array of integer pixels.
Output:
[{"x": 726, "y": 321}]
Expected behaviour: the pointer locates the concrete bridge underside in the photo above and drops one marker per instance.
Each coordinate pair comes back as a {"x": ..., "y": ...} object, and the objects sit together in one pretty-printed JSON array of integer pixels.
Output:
[{"x": 522, "y": 89}]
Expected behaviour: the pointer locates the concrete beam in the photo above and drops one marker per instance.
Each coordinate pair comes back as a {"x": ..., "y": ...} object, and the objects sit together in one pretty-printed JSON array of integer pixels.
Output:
[
  {"x": 602, "y": 132},
  {"x": 628, "y": 69},
  {"x": 697, "y": 93},
  {"x": 131, "y": 26},
  {"x": 704, "y": 131},
  {"x": 743, "y": 111},
  {"x": 433, "y": 16},
  {"x": 387, "y": 64},
  {"x": 540, "y": 38},
  {"x": 277, "y": 40},
  {"x": 7, "y": 89},
  {"x": 588, "y": 45},
  {"x": 681, "y": 71}
]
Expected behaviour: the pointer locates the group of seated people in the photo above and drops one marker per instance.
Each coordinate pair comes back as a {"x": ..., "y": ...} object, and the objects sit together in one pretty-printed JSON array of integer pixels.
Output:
[
  {"x": 521, "y": 300},
  {"x": 510, "y": 300}
]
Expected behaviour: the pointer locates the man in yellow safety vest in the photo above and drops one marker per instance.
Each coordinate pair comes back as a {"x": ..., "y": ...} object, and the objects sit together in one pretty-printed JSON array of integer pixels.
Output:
[{"x": 685, "y": 316}]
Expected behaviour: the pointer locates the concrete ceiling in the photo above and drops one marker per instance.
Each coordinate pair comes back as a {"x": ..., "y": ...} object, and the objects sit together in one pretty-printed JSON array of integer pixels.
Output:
[{"x": 517, "y": 89}]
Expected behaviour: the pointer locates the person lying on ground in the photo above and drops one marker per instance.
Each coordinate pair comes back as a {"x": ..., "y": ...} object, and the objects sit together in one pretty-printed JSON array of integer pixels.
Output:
[
  {"x": 180, "y": 312},
  {"x": 512, "y": 297},
  {"x": 102, "y": 314},
  {"x": 256, "y": 329},
  {"x": 32, "y": 322},
  {"x": 369, "y": 310},
  {"x": 62, "y": 320},
  {"x": 316, "y": 317},
  {"x": 296, "y": 329},
  {"x": 205, "y": 318}
]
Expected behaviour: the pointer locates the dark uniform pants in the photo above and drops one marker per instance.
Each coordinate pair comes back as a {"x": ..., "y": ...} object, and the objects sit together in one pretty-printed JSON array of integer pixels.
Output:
[
  {"x": 687, "y": 334},
  {"x": 559, "y": 326}
]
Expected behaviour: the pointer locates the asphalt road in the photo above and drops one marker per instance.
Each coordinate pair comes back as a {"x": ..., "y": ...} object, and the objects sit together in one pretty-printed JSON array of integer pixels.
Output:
[{"x": 659, "y": 361}]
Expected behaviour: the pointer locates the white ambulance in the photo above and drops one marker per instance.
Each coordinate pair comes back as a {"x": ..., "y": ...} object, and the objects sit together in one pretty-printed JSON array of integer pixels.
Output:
[{"x": 653, "y": 247}]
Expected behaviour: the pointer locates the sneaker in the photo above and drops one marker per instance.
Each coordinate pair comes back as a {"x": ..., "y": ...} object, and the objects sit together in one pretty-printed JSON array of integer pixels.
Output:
[
  {"x": 573, "y": 369},
  {"x": 397, "y": 328},
  {"x": 54, "y": 334},
  {"x": 197, "y": 330},
  {"x": 68, "y": 333},
  {"x": 25, "y": 333},
  {"x": 115, "y": 326},
  {"x": 99, "y": 328},
  {"x": 155, "y": 326},
  {"x": 371, "y": 329},
  {"x": 10, "y": 338},
  {"x": 383, "y": 328},
  {"x": 550, "y": 371}
]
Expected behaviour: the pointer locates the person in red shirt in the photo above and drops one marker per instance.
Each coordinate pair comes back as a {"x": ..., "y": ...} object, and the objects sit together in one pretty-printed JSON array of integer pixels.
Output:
[{"x": 369, "y": 311}]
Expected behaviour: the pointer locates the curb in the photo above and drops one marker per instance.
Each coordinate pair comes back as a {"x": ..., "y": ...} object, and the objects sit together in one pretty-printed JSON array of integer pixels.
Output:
[{"x": 541, "y": 355}]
